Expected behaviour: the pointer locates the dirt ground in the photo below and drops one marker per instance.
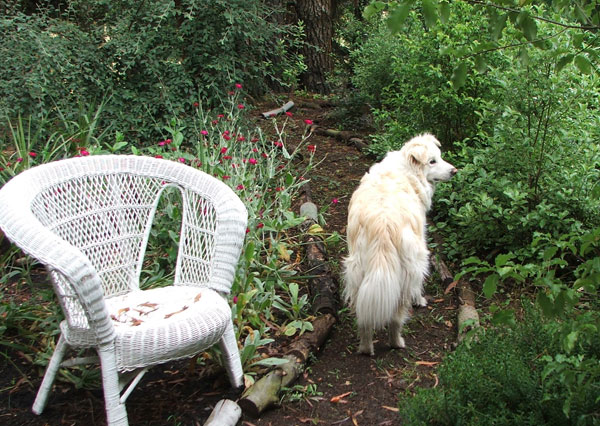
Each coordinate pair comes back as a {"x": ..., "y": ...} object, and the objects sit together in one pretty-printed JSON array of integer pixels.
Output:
[{"x": 339, "y": 387}]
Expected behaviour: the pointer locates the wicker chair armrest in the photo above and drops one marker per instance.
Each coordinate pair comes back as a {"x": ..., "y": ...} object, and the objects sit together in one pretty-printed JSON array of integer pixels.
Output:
[{"x": 21, "y": 227}]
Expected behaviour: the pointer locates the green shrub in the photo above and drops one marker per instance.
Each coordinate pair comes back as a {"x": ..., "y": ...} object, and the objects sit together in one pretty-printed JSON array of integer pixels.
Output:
[
  {"x": 502, "y": 378},
  {"x": 151, "y": 60},
  {"x": 407, "y": 79}
]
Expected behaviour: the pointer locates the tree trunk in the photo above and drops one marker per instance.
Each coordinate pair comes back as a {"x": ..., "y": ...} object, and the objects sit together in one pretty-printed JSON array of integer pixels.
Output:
[{"x": 317, "y": 16}]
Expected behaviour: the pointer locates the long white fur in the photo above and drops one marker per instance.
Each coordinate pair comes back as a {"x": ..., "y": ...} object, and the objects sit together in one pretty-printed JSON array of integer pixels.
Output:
[{"x": 388, "y": 258}]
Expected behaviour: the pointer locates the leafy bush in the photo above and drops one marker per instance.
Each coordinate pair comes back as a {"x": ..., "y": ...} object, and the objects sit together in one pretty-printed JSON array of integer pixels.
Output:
[
  {"x": 502, "y": 377},
  {"x": 408, "y": 79},
  {"x": 151, "y": 60}
]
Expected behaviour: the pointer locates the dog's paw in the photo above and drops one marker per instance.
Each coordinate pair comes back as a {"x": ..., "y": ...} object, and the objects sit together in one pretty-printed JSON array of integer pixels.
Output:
[
  {"x": 422, "y": 302},
  {"x": 397, "y": 342},
  {"x": 366, "y": 350}
]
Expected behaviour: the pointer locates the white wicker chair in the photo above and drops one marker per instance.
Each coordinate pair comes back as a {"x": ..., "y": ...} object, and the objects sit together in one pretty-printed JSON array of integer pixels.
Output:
[{"x": 88, "y": 220}]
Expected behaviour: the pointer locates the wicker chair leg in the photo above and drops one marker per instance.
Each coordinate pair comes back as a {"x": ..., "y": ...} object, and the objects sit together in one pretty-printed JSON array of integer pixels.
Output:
[
  {"x": 231, "y": 357},
  {"x": 53, "y": 366},
  {"x": 116, "y": 414}
]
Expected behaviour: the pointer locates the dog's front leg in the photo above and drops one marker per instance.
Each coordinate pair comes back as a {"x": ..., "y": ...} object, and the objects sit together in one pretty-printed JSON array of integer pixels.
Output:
[{"x": 366, "y": 340}]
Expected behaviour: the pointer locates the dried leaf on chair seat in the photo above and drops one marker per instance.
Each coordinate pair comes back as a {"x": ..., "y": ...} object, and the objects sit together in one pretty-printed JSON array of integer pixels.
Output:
[
  {"x": 197, "y": 297},
  {"x": 135, "y": 322},
  {"x": 122, "y": 310},
  {"x": 176, "y": 312},
  {"x": 148, "y": 305}
]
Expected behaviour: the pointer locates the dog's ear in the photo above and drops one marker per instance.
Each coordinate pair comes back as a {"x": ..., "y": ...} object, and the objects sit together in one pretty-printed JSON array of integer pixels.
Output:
[{"x": 417, "y": 154}]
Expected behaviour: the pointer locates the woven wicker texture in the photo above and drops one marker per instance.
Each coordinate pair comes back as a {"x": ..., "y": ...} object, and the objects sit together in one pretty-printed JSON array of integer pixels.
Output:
[{"x": 88, "y": 220}]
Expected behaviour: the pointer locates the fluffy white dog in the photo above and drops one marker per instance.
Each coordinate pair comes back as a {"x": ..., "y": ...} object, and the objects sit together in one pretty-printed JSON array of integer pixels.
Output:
[{"x": 388, "y": 257}]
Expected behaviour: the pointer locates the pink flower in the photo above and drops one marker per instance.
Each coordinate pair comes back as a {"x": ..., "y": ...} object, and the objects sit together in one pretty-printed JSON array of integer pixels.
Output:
[
  {"x": 312, "y": 149},
  {"x": 335, "y": 201},
  {"x": 158, "y": 156},
  {"x": 254, "y": 149},
  {"x": 240, "y": 187},
  {"x": 168, "y": 141},
  {"x": 196, "y": 104},
  {"x": 254, "y": 140},
  {"x": 181, "y": 160},
  {"x": 308, "y": 122},
  {"x": 227, "y": 157},
  {"x": 84, "y": 153},
  {"x": 223, "y": 150},
  {"x": 227, "y": 137},
  {"x": 231, "y": 93},
  {"x": 225, "y": 177},
  {"x": 162, "y": 143},
  {"x": 32, "y": 154},
  {"x": 204, "y": 132},
  {"x": 252, "y": 161},
  {"x": 235, "y": 299},
  {"x": 241, "y": 106},
  {"x": 19, "y": 160},
  {"x": 264, "y": 155},
  {"x": 260, "y": 225},
  {"x": 238, "y": 85},
  {"x": 289, "y": 114},
  {"x": 241, "y": 139},
  {"x": 220, "y": 116}
]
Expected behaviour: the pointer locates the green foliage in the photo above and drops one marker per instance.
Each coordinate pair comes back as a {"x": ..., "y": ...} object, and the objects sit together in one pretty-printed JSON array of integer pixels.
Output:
[
  {"x": 505, "y": 376},
  {"x": 153, "y": 59},
  {"x": 406, "y": 79},
  {"x": 520, "y": 19}
]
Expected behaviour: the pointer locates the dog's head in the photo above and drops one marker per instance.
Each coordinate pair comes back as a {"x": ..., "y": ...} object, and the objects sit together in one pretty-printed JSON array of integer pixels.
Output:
[{"x": 423, "y": 154}]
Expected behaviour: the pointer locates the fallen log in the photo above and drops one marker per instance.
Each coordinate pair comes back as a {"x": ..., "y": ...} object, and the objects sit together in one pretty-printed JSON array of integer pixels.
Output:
[
  {"x": 322, "y": 284},
  {"x": 468, "y": 317},
  {"x": 225, "y": 413},
  {"x": 275, "y": 112},
  {"x": 347, "y": 137},
  {"x": 265, "y": 392}
]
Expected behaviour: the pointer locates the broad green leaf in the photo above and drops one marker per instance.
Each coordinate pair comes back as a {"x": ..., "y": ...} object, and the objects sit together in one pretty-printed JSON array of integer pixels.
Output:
[
  {"x": 562, "y": 62},
  {"x": 459, "y": 76},
  {"x": 503, "y": 317},
  {"x": 430, "y": 13},
  {"x": 271, "y": 362},
  {"x": 373, "y": 9},
  {"x": 527, "y": 25},
  {"x": 583, "y": 64},
  {"x": 524, "y": 57},
  {"x": 502, "y": 259},
  {"x": 550, "y": 252},
  {"x": 397, "y": 17},
  {"x": 249, "y": 254},
  {"x": 480, "y": 64},
  {"x": 497, "y": 25},
  {"x": 490, "y": 285},
  {"x": 444, "y": 9},
  {"x": 545, "y": 303}
]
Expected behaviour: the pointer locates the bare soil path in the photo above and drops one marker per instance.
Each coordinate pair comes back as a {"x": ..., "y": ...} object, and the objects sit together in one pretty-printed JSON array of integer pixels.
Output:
[{"x": 340, "y": 387}]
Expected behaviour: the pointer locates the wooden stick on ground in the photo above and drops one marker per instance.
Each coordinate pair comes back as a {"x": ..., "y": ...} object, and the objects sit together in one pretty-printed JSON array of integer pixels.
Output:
[
  {"x": 265, "y": 392},
  {"x": 273, "y": 113}
]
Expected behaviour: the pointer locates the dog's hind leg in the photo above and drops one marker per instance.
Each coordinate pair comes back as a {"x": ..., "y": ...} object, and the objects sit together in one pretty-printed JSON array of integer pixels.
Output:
[
  {"x": 395, "y": 329},
  {"x": 365, "y": 333}
]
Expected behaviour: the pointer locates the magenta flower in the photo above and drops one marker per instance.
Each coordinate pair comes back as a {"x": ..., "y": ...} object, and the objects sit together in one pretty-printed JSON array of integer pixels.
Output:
[
  {"x": 158, "y": 156},
  {"x": 238, "y": 85},
  {"x": 223, "y": 150},
  {"x": 308, "y": 122},
  {"x": 241, "y": 106},
  {"x": 312, "y": 148},
  {"x": 181, "y": 160},
  {"x": 235, "y": 299},
  {"x": 289, "y": 114},
  {"x": 335, "y": 201},
  {"x": 84, "y": 153},
  {"x": 204, "y": 132},
  {"x": 196, "y": 104},
  {"x": 252, "y": 161},
  {"x": 19, "y": 160},
  {"x": 260, "y": 225},
  {"x": 225, "y": 177},
  {"x": 32, "y": 154},
  {"x": 162, "y": 143},
  {"x": 240, "y": 187}
]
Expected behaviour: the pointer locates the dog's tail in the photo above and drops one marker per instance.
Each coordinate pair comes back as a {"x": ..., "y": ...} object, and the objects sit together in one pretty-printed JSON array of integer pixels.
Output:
[{"x": 386, "y": 275}]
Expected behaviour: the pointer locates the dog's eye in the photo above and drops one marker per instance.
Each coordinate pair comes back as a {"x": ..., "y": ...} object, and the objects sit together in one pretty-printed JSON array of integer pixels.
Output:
[{"x": 432, "y": 161}]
